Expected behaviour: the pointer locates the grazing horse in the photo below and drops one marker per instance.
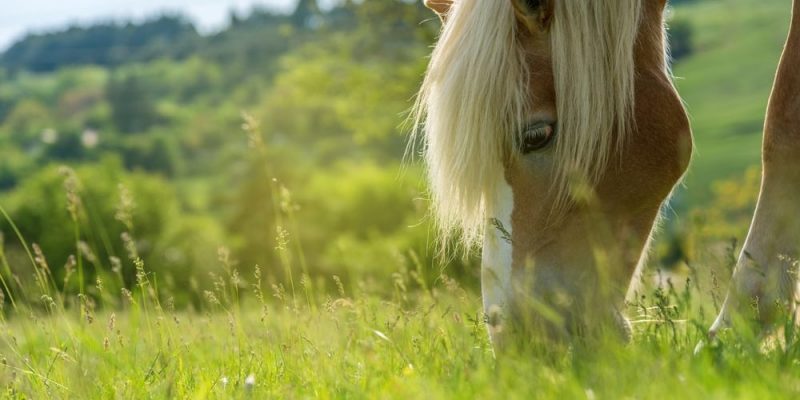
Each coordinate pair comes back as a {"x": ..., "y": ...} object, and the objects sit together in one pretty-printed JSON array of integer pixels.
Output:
[{"x": 552, "y": 134}]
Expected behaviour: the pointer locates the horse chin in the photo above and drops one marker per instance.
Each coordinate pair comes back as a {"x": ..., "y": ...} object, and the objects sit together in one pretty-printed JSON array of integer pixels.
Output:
[
  {"x": 552, "y": 286},
  {"x": 549, "y": 307},
  {"x": 532, "y": 325},
  {"x": 567, "y": 311}
]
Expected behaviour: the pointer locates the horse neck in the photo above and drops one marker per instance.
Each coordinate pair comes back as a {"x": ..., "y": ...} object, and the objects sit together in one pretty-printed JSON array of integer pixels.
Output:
[{"x": 650, "y": 40}]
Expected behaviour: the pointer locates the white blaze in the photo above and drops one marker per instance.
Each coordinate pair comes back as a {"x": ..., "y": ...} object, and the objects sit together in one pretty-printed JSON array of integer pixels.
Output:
[{"x": 496, "y": 259}]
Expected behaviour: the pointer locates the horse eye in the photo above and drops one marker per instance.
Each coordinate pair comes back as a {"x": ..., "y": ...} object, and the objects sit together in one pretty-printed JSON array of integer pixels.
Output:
[
  {"x": 533, "y": 4},
  {"x": 536, "y": 137}
]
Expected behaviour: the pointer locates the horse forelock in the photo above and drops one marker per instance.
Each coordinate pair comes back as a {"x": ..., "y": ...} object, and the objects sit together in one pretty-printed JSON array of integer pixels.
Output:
[
  {"x": 474, "y": 99},
  {"x": 593, "y": 57}
]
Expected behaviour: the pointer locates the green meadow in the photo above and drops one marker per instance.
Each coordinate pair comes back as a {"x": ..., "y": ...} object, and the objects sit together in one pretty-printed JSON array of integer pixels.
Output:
[
  {"x": 230, "y": 215},
  {"x": 726, "y": 84}
]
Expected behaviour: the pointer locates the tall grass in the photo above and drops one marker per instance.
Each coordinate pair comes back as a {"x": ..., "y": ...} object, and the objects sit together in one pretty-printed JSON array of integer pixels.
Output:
[{"x": 322, "y": 337}]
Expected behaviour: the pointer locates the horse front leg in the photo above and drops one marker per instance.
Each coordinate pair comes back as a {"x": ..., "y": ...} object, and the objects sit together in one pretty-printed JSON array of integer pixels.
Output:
[{"x": 765, "y": 279}]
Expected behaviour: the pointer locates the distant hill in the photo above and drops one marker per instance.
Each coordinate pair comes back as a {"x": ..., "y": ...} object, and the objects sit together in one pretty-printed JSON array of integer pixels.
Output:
[
  {"x": 725, "y": 79},
  {"x": 173, "y": 37},
  {"x": 105, "y": 44}
]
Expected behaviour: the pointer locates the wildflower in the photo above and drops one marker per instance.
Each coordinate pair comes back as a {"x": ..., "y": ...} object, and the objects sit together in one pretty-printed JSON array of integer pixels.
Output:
[
  {"x": 90, "y": 138},
  {"x": 69, "y": 268},
  {"x": 125, "y": 207},
  {"x": 141, "y": 275},
  {"x": 48, "y": 301},
  {"x": 130, "y": 246},
  {"x": 128, "y": 295},
  {"x": 224, "y": 381},
  {"x": 282, "y": 238},
  {"x": 72, "y": 188},
  {"x": 252, "y": 127},
  {"x": 116, "y": 264},
  {"x": 87, "y": 252},
  {"x": 39, "y": 257},
  {"x": 287, "y": 205},
  {"x": 211, "y": 298},
  {"x": 339, "y": 285},
  {"x": 224, "y": 256},
  {"x": 49, "y": 136},
  {"x": 250, "y": 382}
]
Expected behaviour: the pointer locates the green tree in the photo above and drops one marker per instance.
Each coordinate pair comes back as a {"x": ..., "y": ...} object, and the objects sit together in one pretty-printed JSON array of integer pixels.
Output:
[
  {"x": 681, "y": 34},
  {"x": 307, "y": 14},
  {"x": 89, "y": 212},
  {"x": 132, "y": 109},
  {"x": 106, "y": 44},
  {"x": 27, "y": 121}
]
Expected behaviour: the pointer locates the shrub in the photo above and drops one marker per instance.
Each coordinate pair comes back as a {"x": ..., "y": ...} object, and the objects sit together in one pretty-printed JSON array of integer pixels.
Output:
[{"x": 98, "y": 214}]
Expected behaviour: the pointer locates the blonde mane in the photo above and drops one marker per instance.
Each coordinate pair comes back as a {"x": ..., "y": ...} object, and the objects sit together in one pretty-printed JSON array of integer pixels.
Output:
[{"x": 474, "y": 99}]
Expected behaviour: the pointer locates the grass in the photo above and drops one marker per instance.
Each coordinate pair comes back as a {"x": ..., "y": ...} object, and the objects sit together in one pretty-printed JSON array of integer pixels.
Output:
[
  {"x": 364, "y": 338},
  {"x": 392, "y": 335},
  {"x": 360, "y": 344},
  {"x": 400, "y": 336}
]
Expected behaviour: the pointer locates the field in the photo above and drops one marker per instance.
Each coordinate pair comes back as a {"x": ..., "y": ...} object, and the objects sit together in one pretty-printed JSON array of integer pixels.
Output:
[
  {"x": 245, "y": 227},
  {"x": 727, "y": 82},
  {"x": 359, "y": 343}
]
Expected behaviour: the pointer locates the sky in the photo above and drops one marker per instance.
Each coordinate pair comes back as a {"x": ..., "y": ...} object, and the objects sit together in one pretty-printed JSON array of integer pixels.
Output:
[{"x": 47, "y": 15}]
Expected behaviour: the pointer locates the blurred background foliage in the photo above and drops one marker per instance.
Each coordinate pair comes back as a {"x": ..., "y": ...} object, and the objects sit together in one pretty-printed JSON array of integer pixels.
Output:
[{"x": 279, "y": 140}]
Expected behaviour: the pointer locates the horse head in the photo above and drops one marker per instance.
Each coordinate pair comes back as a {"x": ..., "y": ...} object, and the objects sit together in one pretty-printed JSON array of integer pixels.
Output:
[{"x": 553, "y": 134}]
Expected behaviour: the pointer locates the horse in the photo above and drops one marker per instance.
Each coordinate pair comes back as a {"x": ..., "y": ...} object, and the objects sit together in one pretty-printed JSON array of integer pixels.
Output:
[{"x": 553, "y": 134}]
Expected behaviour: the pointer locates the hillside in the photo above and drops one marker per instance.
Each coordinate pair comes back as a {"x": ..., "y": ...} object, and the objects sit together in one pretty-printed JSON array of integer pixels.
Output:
[
  {"x": 293, "y": 114},
  {"x": 726, "y": 84},
  {"x": 725, "y": 81}
]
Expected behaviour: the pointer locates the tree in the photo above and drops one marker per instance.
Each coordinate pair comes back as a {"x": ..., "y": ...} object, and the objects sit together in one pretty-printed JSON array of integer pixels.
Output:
[
  {"x": 132, "y": 109},
  {"x": 307, "y": 14},
  {"x": 680, "y": 38},
  {"x": 107, "y": 44}
]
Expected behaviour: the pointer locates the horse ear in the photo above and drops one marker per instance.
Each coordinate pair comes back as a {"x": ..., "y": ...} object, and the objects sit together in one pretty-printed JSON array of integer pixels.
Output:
[
  {"x": 440, "y": 7},
  {"x": 535, "y": 14}
]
